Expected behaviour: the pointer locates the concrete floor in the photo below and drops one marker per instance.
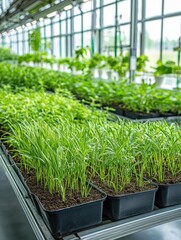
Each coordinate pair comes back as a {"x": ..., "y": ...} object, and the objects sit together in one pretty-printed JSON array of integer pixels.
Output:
[{"x": 169, "y": 231}]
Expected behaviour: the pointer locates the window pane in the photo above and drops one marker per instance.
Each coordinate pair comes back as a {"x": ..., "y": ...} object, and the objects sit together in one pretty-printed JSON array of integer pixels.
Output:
[
  {"x": 153, "y": 8},
  {"x": 125, "y": 34},
  {"x": 77, "y": 23},
  {"x": 86, "y": 6},
  {"x": 56, "y": 29},
  {"x": 139, "y": 9},
  {"x": 108, "y": 1},
  {"x": 124, "y": 10},
  {"x": 20, "y": 48},
  {"x": 87, "y": 20},
  {"x": 170, "y": 38},
  {"x": 109, "y": 15},
  {"x": 56, "y": 47},
  {"x": 108, "y": 45},
  {"x": 63, "y": 47},
  {"x": 87, "y": 39},
  {"x": 77, "y": 40},
  {"x": 172, "y": 6},
  {"x": 69, "y": 25},
  {"x": 152, "y": 41},
  {"x": 48, "y": 31},
  {"x": 98, "y": 18},
  {"x": 63, "y": 27}
]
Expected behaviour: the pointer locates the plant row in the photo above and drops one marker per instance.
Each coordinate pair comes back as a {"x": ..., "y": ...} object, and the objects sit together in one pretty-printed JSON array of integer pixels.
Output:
[
  {"x": 68, "y": 155},
  {"x": 142, "y": 98}
]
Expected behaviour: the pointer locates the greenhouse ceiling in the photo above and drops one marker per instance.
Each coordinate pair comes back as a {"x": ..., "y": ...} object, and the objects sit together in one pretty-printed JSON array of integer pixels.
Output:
[{"x": 14, "y": 13}]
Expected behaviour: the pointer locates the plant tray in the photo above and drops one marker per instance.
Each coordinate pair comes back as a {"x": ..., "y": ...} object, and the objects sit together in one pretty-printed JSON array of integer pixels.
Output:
[
  {"x": 168, "y": 195},
  {"x": 71, "y": 219},
  {"x": 128, "y": 205}
]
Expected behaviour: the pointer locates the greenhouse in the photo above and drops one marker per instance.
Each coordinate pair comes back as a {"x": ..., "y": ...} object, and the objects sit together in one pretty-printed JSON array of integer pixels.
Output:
[{"x": 90, "y": 119}]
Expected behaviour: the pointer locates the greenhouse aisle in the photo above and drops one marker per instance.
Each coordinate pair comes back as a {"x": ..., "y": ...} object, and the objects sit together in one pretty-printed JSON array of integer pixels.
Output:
[
  {"x": 168, "y": 231},
  {"x": 13, "y": 222}
]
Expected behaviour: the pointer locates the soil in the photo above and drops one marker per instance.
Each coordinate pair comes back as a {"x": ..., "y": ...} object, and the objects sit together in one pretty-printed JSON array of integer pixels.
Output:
[
  {"x": 168, "y": 178},
  {"x": 54, "y": 201},
  {"x": 132, "y": 188}
]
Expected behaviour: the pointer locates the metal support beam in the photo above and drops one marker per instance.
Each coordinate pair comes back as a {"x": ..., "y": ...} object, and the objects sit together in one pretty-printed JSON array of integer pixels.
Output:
[{"x": 133, "y": 38}]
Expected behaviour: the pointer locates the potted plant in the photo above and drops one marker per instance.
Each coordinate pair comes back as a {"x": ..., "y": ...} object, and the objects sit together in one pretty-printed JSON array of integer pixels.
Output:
[
  {"x": 56, "y": 177},
  {"x": 163, "y": 161},
  {"x": 114, "y": 170}
]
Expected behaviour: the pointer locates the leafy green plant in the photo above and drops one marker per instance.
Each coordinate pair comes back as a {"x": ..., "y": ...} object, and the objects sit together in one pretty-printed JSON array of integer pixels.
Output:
[
  {"x": 35, "y": 39},
  {"x": 166, "y": 68}
]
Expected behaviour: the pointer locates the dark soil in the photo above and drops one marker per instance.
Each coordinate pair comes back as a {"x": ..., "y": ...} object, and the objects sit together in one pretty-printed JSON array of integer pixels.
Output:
[
  {"x": 54, "y": 201},
  {"x": 169, "y": 179},
  {"x": 132, "y": 188}
]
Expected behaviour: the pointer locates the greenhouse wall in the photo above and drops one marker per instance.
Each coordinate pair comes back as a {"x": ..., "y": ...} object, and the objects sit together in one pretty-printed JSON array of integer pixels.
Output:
[{"x": 104, "y": 25}]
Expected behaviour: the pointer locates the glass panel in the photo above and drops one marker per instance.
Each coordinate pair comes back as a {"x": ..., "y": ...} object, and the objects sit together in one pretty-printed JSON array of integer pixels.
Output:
[
  {"x": 56, "y": 47},
  {"x": 14, "y": 38},
  {"x": 63, "y": 27},
  {"x": 87, "y": 39},
  {"x": 56, "y": 29},
  {"x": 98, "y": 18},
  {"x": 42, "y": 32},
  {"x": 68, "y": 46},
  {"x": 125, "y": 34},
  {"x": 77, "y": 40},
  {"x": 63, "y": 15},
  {"x": 124, "y": 10},
  {"x": 48, "y": 31},
  {"x": 139, "y": 39},
  {"x": 170, "y": 38},
  {"x": 76, "y": 10},
  {"x": 139, "y": 9},
  {"x": 26, "y": 35},
  {"x": 153, "y": 8},
  {"x": 20, "y": 48},
  {"x": 108, "y": 1},
  {"x": 77, "y": 24},
  {"x": 26, "y": 48},
  {"x": 152, "y": 41},
  {"x": 86, "y": 6},
  {"x": 108, "y": 44},
  {"x": 87, "y": 20},
  {"x": 63, "y": 47},
  {"x": 109, "y": 15},
  {"x": 47, "y": 21},
  {"x": 14, "y": 47},
  {"x": 172, "y": 6},
  {"x": 69, "y": 25},
  {"x": 20, "y": 36}
]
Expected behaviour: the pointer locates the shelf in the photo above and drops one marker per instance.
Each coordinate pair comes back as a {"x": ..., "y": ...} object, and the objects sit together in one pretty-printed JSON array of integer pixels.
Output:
[{"x": 106, "y": 231}]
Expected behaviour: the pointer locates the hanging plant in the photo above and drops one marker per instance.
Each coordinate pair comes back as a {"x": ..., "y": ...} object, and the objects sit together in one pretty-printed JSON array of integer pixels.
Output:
[{"x": 35, "y": 39}]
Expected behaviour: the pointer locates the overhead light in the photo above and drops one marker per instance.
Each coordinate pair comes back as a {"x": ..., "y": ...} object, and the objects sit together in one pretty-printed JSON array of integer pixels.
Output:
[
  {"x": 53, "y": 14},
  {"x": 28, "y": 24},
  {"x": 34, "y": 22},
  {"x": 18, "y": 28},
  {"x": 41, "y": 19},
  {"x": 12, "y": 31},
  {"x": 68, "y": 7}
]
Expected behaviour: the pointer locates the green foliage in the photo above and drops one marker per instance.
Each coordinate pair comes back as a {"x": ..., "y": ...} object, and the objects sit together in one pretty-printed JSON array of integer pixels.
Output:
[
  {"x": 166, "y": 68},
  {"x": 6, "y": 54},
  {"x": 139, "y": 98},
  {"x": 35, "y": 39}
]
